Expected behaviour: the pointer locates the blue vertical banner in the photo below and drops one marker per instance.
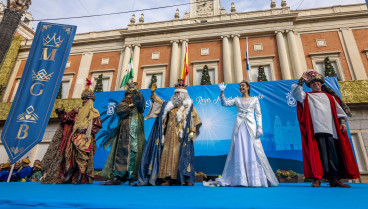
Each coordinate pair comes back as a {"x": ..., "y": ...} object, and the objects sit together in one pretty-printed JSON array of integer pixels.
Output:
[{"x": 38, "y": 88}]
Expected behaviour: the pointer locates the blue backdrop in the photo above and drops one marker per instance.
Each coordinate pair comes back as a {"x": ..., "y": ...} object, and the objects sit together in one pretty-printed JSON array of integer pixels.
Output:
[
  {"x": 38, "y": 87},
  {"x": 281, "y": 139}
]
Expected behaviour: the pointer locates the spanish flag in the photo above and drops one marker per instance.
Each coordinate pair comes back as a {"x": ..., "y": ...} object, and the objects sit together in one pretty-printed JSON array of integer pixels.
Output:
[{"x": 185, "y": 69}]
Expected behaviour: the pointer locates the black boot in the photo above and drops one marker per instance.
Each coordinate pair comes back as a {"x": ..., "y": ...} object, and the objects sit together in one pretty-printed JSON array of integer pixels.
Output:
[
  {"x": 69, "y": 176},
  {"x": 115, "y": 181},
  {"x": 79, "y": 178},
  {"x": 131, "y": 182}
]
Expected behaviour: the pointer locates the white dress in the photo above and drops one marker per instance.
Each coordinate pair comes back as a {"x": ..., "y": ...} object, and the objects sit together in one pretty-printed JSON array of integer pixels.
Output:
[{"x": 246, "y": 163}]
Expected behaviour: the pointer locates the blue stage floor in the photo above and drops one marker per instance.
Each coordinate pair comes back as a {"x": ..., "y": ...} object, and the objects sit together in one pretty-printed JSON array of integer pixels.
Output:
[{"x": 292, "y": 195}]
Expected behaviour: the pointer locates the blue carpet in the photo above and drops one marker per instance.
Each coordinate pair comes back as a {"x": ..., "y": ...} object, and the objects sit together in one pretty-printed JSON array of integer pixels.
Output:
[{"x": 287, "y": 195}]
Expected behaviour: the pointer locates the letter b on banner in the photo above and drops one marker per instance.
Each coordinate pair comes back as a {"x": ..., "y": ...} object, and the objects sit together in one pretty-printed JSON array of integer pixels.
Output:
[{"x": 23, "y": 131}]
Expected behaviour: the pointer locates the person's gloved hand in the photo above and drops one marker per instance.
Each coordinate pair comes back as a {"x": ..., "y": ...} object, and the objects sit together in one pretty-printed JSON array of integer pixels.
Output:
[
  {"x": 222, "y": 86},
  {"x": 259, "y": 133},
  {"x": 191, "y": 136},
  {"x": 153, "y": 87}
]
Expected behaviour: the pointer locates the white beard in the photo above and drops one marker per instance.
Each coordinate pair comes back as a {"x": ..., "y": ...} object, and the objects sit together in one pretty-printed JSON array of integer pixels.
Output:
[{"x": 184, "y": 102}]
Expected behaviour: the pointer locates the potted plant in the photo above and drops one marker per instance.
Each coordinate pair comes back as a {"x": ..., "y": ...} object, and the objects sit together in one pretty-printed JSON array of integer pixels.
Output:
[
  {"x": 287, "y": 176},
  {"x": 200, "y": 176}
]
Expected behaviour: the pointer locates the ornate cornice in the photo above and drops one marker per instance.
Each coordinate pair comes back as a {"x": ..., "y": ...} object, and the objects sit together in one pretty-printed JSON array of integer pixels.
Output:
[
  {"x": 334, "y": 16},
  {"x": 209, "y": 25},
  {"x": 67, "y": 104},
  {"x": 354, "y": 92}
]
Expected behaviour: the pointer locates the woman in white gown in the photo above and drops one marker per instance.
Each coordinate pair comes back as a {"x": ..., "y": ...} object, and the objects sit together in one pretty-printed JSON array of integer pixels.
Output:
[{"x": 246, "y": 163}]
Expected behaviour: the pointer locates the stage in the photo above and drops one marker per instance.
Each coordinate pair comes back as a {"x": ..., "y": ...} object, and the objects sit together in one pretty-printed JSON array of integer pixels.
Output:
[{"x": 287, "y": 195}]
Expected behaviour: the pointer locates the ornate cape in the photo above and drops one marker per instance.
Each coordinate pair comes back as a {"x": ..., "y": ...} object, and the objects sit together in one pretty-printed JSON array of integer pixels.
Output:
[
  {"x": 150, "y": 166},
  {"x": 311, "y": 159}
]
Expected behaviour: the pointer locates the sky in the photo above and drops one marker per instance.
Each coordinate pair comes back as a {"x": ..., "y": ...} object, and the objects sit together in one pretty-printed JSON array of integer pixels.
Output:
[{"x": 49, "y": 9}]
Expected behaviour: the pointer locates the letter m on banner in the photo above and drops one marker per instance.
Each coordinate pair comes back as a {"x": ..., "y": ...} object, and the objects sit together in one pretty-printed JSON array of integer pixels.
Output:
[{"x": 38, "y": 88}]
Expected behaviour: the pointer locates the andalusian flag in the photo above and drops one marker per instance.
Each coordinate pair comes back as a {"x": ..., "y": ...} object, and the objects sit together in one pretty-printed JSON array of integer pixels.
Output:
[
  {"x": 129, "y": 72},
  {"x": 185, "y": 70}
]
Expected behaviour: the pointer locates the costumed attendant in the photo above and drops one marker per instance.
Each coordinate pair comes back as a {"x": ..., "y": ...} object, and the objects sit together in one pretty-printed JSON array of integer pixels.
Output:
[
  {"x": 127, "y": 140},
  {"x": 4, "y": 174},
  {"x": 176, "y": 129},
  {"x": 24, "y": 172},
  {"x": 36, "y": 171},
  {"x": 70, "y": 154},
  {"x": 327, "y": 152},
  {"x": 246, "y": 163}
]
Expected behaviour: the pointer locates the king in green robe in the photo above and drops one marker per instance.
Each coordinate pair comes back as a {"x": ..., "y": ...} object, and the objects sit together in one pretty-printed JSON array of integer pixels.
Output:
[{"x": 127, "y": 140}]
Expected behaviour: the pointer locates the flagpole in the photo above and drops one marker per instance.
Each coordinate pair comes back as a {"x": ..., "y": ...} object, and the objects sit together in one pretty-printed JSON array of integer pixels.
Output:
[
  {"x": 10, "y": 173},
  {"x": 186, "y": 45},
  {"x": 248, "y": 65}
]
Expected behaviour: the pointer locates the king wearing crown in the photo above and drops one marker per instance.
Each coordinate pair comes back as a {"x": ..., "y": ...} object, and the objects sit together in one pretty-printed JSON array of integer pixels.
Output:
[
  {"x": 69, "y": 157},
  {"x": 127, "y": 140},
  {"x": 168, "y": 158},
  {"x": 327, "y": 152}
]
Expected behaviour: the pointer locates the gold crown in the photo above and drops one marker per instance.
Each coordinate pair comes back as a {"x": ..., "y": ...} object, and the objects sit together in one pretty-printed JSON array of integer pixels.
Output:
[
  {"x": 180, "y": 84},
  {"x": 314, "y": 76},
  {"x": 88, "y": 94},
  {"x": 41, "y": 75},
  {"x": 132, "y": 85},
  {"x": 54, "y": 42}
]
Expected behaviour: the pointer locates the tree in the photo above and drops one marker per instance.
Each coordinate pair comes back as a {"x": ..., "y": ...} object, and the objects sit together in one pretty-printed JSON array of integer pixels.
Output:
[
  {"x": 261, "y": 74},
  {"x": 205, "y": 76},
  {"x": 9, "y": 23},
  {"x": 60, "y": 92},
  {"x": 99, "y": 85},
  {"x": 153, "y": 80},
  {"x": 329, "y": 69}
]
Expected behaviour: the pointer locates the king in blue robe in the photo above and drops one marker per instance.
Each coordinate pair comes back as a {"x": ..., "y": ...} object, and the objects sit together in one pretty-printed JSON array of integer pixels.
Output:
[{"x": 169, "y": 154}]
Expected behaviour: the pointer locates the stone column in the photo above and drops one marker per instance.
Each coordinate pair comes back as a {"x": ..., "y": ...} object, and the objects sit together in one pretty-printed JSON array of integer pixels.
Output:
[
  {"x": 136, "y": 53},
  {"x": 284, "y": 63},
  {"x": 353, "y": 55},
  {"x": 83, "y": 73},
  {"x": 301, "y": 52},
  {"x": 174, "y": 63},
  {"x": 294, "y": 54},
  {"x": 228, "y": 78},
  {"x": 238, "y": 70}
]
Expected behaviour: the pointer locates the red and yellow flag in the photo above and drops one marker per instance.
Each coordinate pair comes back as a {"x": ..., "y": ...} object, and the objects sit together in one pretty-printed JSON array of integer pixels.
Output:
[{"x": 185, "y": 69}]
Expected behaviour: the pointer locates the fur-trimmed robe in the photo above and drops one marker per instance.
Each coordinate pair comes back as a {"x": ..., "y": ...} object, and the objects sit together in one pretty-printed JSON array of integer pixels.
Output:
[{"x": 174, "y": 129}]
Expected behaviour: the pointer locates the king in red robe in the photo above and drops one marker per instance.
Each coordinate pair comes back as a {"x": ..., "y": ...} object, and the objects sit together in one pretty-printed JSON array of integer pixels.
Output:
[{"x": 327, "y": 151}]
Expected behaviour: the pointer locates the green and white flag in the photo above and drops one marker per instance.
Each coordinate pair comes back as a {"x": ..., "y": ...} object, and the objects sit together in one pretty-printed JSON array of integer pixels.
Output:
[{"x": 128, "y": 73}]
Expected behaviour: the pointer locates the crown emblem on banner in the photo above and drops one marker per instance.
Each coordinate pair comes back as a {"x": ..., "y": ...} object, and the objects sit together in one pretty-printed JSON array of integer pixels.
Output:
[
  {"x": 29, "y": 116},
  {"x": 41, "y": 75},
  {"x": 55, "y": 42}
]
